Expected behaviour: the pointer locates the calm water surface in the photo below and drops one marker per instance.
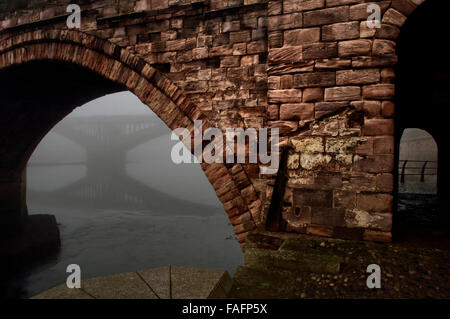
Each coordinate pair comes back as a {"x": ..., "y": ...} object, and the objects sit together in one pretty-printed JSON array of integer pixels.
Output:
[{"x": 121, "y": 203}]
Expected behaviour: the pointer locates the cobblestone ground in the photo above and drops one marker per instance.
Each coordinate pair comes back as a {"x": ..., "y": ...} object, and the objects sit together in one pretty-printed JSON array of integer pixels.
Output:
[{"x": 405, "y": 273}]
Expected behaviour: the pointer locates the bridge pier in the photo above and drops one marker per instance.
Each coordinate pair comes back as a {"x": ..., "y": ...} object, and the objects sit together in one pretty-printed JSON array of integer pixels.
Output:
[
  {"x": 24, "y": 239},
  {"x": 13, "y": 207}
]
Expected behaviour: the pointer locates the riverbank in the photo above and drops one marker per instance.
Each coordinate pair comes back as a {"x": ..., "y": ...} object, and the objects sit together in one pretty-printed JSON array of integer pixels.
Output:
[{"x": 405, "y": 272}]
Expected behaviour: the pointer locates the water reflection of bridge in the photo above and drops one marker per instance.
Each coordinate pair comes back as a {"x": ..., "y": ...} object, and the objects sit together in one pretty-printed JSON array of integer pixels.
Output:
[{"x": 106, "y": 185}]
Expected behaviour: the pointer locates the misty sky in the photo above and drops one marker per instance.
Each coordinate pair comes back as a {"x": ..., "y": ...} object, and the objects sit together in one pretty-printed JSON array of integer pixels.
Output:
[{"x": 149, "y": 163}]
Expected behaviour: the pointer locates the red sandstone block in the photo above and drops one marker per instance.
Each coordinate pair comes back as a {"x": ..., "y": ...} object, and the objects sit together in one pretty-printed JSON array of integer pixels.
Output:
[
  {"x": 383, "y": 47},
  {"x": 363, "y": 76},
  {"x": 365, "y": 148},
  {"x": 334, "y": 3},
  {"x": 340, "y": 31},
  {"x": 388, "y": 75},
  {"x": 373, "y": 62},
  {"x": 405, "y": 6},
  {"x": 315, "y": 79},
  {"x": 257, "y": 47},
  {"x": 387, "y": 31},
  {"x": 272, "y": 112},
  {"x": 325, "y": 108},
  {"x": 229, "y": 61},
  {"x": 332, "y": 64},
  {"x": 343, "y": 93},
  {"x": 220, "y": 50},
  {"x": 379, "y": 92},
  {"x": 285, "y": 21},
  {"x": 284, "y": 127},
  {"x": 371, "y": 109},
  {"x": 381, "y": 203},
  {"x": 287, "y": 81},
  {"x": 378, "y": 236},
  {"x": 326, "y": 16},
  {"x": 229, "y": 26},
  {"x": 273, "y": 83},
  {"x": 317, "y": 230},
  {"x": 298, "y": 111},
  {"x": 274, "y": 7},
  {"x": 285, "y": 96},
  {"x": 159, "y": 4},
  {"x": 327, "y": 216},
  {"x": 387, "y": 109},
  {"x": 319, "y": 51},
  {"x": 301, "y": 36},
  {"x": 354, "y": 48},
  {"x": 302, "y": 5},
  {"x": 383, "y": 145},
  {"x": 344, "y": 199},
  {"x": 378, "y": 127},
  {"x": 200, "y": 53},
  {"x": 376, "y": 164},
  {"x": 249, "y": 194},
  {"x": 175, "y": 45},
  {"x": 240, "y": 36},
  {"x": 359, "y": 11},
  {"x": 385, "y": 183},
  {"x": 249, "y": 60},
  {"x": 275, "y": 39},
  {"x": 394, "y": 17},
  {"x": 286, "y": 54},
  {"x": 313, "y": 94}
]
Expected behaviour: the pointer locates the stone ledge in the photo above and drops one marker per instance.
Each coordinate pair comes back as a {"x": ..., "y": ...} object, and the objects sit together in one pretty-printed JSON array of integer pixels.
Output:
[{"x": 171, "y": 282}]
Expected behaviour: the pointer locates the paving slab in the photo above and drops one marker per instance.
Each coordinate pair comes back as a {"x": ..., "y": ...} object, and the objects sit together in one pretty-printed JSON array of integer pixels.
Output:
[
  {"x": 159, "y": 280},
  {"x": 159, "y": 283},
  {"x": 194, "y": 283},
  {"x": 62, "y": 292}
]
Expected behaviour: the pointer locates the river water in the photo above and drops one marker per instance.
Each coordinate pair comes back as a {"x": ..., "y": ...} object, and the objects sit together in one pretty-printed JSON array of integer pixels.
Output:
[{"x": 120, "y": 202}]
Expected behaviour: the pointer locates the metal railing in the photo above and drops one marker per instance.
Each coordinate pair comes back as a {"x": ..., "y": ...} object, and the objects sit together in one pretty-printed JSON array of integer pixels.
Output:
[{"x": 420, "y": 168}]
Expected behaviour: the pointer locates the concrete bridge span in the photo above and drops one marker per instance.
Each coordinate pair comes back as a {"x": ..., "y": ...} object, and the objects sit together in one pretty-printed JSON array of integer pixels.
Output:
[{"x": 312, "y": 68}]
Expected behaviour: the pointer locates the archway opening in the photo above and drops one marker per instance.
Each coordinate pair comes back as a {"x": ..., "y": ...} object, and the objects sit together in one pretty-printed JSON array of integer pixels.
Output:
[
  {"x": 105, "y": 172},
  {"x": 422, "y": 99}
]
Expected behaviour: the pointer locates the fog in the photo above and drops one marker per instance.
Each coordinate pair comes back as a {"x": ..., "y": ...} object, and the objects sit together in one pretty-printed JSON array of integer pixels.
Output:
[{"x": 106, "y": 173}]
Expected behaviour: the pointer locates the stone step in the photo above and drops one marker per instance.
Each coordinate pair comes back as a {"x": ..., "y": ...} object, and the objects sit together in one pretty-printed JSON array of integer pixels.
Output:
[
  {"x": 249, "y": 283},
  {"x": 171, "y": 282},
  {"x": 294, "y": 255}
]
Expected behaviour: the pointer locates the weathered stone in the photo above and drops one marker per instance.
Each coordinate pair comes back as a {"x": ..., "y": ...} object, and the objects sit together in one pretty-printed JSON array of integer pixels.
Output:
[
  {"x": 314, "y": 144},
  {"x": 299, "y": 37},
  {"x": 340, "y": 31},
  {"x": 299, "y": 111},
  {"x": 286, "y": 54},
  {"x": 317, "y": 79},
  {"x": 313, "y": 94},
  {"x": 343, "y": 93},
  {"x": 364, "y": 76},
  {"x": 326, "y": 16},
  {"x": 354, "y": 48},
  {"x": 285, "y": 96},
  {"x": 379, "y": 91},
  {"x": 319, "y": 51}
]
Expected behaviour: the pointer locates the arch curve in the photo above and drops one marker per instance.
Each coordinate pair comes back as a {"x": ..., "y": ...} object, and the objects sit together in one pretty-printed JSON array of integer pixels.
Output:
[{"x": 121, "y": 66}]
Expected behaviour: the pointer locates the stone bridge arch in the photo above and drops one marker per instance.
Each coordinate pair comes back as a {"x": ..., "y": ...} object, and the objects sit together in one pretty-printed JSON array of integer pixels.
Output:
[
  {"x": 130, "y": 72},
  {"x": 311, "y": 68}
]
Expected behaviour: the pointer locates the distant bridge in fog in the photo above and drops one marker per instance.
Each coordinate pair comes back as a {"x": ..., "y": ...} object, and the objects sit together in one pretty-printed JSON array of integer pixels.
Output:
[{"x": 106, "y": 185}]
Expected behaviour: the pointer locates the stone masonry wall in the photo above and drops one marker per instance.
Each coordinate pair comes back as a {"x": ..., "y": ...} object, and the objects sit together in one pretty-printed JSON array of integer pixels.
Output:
[{"x": 311, "y": 68}]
